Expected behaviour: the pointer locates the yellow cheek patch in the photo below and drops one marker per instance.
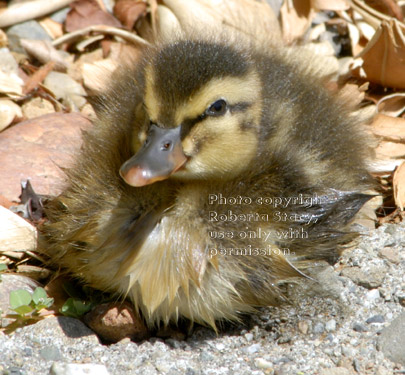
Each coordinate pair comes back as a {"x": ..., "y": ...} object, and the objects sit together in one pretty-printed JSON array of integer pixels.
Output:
[
  {"x": 233, "y": 89},
  {"x": 151, "y": 100},
  {"x": 225, "y": 139}
]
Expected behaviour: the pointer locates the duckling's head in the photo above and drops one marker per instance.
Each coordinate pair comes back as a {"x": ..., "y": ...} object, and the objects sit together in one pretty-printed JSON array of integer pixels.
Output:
[{"x": 202, "y": 102}]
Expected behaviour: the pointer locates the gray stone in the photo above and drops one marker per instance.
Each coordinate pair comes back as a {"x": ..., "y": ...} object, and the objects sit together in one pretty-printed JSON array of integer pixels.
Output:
[
  {"x": 358, "y": 327},
  {"x": 370, "y": 280},
  {"x": 60, "y": 15},
  {"x": 50, "y": 353},
  {"x": 63, "y": 329},
  {"x": 392, "y": 340},
  {"x": 25, "y": 30}
]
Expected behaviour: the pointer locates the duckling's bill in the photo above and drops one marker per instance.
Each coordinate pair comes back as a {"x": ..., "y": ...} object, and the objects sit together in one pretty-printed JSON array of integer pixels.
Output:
[{"x": 160, "y": 156}]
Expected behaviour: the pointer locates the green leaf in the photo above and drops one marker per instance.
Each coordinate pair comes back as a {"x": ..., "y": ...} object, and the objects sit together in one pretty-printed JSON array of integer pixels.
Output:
[
  {"x": 24, "y": 309},
  {"x": 39, "y": 295},
  {"x": 3, "y": 267},
  {"x": 75, "y": 308},
  {"x": 48, "y": 302},
  {"x": 19, "y": 298}
]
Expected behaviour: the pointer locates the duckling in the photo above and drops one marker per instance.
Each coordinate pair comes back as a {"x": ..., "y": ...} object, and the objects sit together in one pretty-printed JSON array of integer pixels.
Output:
[{"x": 216, "y": 172}]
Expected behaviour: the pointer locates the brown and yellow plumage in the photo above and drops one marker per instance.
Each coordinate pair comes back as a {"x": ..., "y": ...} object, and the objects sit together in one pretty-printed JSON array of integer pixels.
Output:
[{"x": 148, "y": 213}]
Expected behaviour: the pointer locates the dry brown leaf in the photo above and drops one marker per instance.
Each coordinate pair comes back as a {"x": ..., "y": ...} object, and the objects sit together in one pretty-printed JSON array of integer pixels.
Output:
[
  {"x": 27, "y": 10},
  {"x": 296, "y": 16},
  {"x": 37, "y": 149},
  {"x": 44, "y": 52},
  {"x": 65, "y": 88},
  {"x": 392, "y": 105},
  {"x": 168, "y": 24},
  {"x": 384, "y": 56},
  {"x": 352, "y": 92},
  {"x": 16, "y": 234},
  {"x": 38, "y": 77},
  {"x": 390, "y": 150},
  {"x": 129, "y": 11},
  {"x": 254, "y": 18},
  {"x": 53, "y": 28},
  {"x": 398, "y": 184},
  {"x": 85, "y": 13},
  {"x": 389, "y": 128},
  {"x": 336, "y": 5},
  {"x": 389, "y": 7},
  {"x": 11, "y": 85}
]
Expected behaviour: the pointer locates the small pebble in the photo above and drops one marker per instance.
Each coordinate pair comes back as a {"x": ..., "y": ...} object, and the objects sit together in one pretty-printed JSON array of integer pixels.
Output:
[
  {"x": 253, "y": 348},
  {"x": 372, "y": 295},
  {"x": 358, "y": 327},
  {"x": 262, "y": 363},
  {"x": 303, "y": 326},
  {"x": 375, "y": 319},
  {"x": 392, "y": 255},
  {"x": 319, "y": 328},
  {"x": 330, "y": 325},
  {"x": 249, "y": 337}
]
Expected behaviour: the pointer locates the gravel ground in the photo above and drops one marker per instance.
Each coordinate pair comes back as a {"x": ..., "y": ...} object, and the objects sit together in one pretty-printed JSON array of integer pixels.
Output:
[{"x": 350, "y": 322}]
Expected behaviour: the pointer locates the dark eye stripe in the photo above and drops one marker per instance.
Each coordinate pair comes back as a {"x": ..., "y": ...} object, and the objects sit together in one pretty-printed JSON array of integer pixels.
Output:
[
  {"x": 240, "y": 107},
  {"x": 189, "y": 123}
]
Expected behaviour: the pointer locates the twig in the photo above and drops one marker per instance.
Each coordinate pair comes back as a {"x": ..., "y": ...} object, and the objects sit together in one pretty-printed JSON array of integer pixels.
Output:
[
  {"x": 372, "y": 16},
  {"x": 29, "y": 10},
  {"x": 100, "y": 29}
]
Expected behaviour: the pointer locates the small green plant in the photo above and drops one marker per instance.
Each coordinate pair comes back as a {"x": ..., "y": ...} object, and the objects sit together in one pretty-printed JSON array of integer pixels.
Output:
[
  {"x": 75, "y": 307},
  {"x": 81, "y": 299},
  {"x": 28, "y": 305}
]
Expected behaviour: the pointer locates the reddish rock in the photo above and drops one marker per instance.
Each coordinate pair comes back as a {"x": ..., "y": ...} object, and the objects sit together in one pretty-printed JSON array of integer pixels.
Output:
[
  {"x": 36, "y": 149},
  {"x": 115, "y": 321}
]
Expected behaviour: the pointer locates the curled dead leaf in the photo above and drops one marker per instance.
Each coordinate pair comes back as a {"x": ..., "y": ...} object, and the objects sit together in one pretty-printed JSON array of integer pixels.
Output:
[
  {"x": 384, "y": 56},
  {"x": 296, "y": 16},
  {"x": 66, "y": 88},
  {"x": 53, "y": 28},
  {"x": 392, "y": 105},
  {"x": 390, "y": 150},
  {"x": 389, "y": 128},
  {"x": 44, "y": 52},
  {"x": 168, "y": 24},
  {"x": 86, "y": 13},
  {"x": 11, "y": 85},
  {"x": 129, "y": 11},
  {"x": 249, "y": 17}
]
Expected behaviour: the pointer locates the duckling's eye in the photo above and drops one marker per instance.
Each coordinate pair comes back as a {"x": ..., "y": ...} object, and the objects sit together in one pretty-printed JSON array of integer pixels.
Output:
[
  {"x": 166, "y": 146},
  {"x": 217, "y": 108}
]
